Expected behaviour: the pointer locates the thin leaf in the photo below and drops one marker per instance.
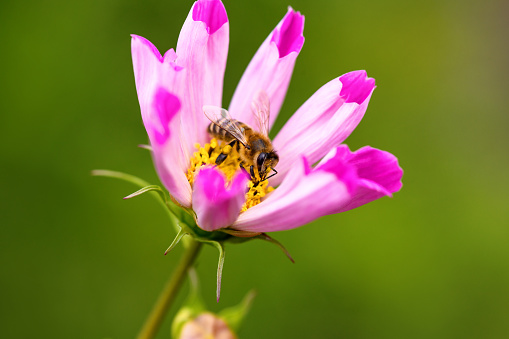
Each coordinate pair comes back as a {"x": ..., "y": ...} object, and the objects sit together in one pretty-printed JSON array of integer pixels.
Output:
[
  {"x": 149, "y": 188},
  {"x": 172, "y": 209},
  {"x": 147, "y": 147},
  {"x": 120, "y": 175},
  {"x": 219, "y": 245},
  {"x": 220, "y": 264},
  {"x": 175, "y": 241},
  {"x": 240, "y": 234},
  {"x": 265, "y": 237}
]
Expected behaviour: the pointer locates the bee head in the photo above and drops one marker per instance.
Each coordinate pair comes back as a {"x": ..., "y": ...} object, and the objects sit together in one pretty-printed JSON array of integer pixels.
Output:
[{"x": 265, "y": 161}]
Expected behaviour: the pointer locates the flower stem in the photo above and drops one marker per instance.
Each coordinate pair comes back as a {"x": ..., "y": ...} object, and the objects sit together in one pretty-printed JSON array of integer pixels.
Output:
[{"x": 167, "y": 296}]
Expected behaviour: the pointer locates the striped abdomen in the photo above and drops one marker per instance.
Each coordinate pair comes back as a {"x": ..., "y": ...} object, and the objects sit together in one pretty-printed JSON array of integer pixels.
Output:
[{"x": 219, "y": 130}]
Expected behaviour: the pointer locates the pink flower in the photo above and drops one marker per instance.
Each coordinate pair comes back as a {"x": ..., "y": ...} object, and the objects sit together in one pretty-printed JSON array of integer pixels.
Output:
[{"x": 172, "y": 89}]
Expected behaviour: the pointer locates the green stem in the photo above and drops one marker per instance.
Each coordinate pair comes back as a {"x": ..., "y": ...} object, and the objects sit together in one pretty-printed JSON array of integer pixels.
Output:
[{"x": 167, "y": 296}]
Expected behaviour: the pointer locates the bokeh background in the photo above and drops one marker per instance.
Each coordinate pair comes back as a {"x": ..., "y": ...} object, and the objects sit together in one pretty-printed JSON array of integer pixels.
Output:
[{"x": 79, "y": 262}]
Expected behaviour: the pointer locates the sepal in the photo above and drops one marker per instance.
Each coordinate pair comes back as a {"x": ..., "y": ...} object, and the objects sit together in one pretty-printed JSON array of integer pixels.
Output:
[
  {"x": 177, "y": 213},
  {"x": 181, "y": 233},
  {"x": 147, "y": 147},
  {"x": 220, "y": 247},
  {"x": 265, "y": 237},
  {"x": 239, "y": 233},
  {"x": 148, "y": 188},
  {"x": 120, "y": 175},
  {"x": 234, "y": 316}
]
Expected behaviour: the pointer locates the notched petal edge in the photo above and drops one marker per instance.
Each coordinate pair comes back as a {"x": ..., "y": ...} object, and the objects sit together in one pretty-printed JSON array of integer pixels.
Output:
[
  {"x": 210, "y": 12},
  {"x": 289, "y": 37},
  {"x": 356, "y": 86}
]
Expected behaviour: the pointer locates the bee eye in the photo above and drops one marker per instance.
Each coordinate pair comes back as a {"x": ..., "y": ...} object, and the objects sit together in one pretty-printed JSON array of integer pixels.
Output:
[{"x": 261, "y": 159}]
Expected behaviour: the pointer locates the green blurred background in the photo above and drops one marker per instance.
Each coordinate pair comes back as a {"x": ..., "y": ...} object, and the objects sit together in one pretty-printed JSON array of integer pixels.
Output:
[{"x": 79, "y": 262}]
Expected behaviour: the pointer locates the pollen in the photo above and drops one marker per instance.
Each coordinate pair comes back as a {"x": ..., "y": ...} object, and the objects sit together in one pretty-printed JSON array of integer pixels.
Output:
[
  {"x": 207, "y": 155},
  {"x": 256, "y": 193}
]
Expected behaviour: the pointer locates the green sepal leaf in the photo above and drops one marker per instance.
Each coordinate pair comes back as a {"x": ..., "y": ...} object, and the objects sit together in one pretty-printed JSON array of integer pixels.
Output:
[
  {"x": 238, "y": 233},
  {"x": 176, "y": 214},
  {"x": 147, "y": 147},
  {"x": 149, "y": 188},
  {"x": 220, "y": 247},
  {"x": 122, "y": 176},
  {"x": 175, "y": 241},
  {"x": 265, "y": 237},
  {"x": 220, "y": 264},
  {"x": 235, "y": 315}
]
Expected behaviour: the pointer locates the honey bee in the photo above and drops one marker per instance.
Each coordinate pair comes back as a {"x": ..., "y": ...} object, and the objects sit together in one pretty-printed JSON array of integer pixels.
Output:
[{"x": 254, "y": 147}]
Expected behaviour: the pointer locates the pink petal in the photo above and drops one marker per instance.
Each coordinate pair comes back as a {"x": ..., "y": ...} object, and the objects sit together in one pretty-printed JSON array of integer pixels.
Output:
[
  {"x": 210, "y": 12},
  {"x": 324, "y": 121},
  {"x": 378, "y": 171},
  {"x": 288, "y": 36},
  {"x": 202, "y": 49},
  {"x": 217, "y": 206},
  {"x": 270, "y": 69},
  {"x": 356, "y": 86},
  {"x": 168, "y": 155},
  {"x": 151, "y": 72},
  {"x": 303, "y": 196},
  {"x": 342, "y": 180},
  {"x": 160, "y": 110}
]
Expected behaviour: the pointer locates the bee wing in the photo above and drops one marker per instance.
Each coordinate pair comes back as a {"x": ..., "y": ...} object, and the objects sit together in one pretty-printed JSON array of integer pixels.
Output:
[
  {"x": 220, "y": 117},
  {"x": 261, "y": 111}
]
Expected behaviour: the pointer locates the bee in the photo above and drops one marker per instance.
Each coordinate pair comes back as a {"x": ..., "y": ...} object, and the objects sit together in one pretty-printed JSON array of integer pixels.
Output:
[{"x": 254, "y": 147}]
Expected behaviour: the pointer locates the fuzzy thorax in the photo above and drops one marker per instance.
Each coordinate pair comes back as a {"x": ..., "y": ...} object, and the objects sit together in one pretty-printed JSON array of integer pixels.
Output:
[{"x": 207, "y": 155}]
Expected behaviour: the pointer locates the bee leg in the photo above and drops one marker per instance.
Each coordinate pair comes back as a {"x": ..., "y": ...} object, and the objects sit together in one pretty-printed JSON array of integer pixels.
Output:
[
  {"x": 241, "y": 165},
  {"x": 220, "y": 158},
  {"x": 244, "y": 170}
]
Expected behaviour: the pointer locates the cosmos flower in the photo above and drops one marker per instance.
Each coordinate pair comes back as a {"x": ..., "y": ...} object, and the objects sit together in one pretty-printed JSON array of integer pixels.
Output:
[{"x": 317, "y": 174}]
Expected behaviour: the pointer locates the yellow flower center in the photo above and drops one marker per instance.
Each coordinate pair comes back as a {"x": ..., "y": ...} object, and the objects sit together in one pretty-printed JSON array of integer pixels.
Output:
[{"x": 207, "y": 155}]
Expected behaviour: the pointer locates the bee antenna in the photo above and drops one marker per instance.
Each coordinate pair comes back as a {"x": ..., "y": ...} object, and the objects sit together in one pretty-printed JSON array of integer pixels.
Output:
[{"x": 272, "y": 174}]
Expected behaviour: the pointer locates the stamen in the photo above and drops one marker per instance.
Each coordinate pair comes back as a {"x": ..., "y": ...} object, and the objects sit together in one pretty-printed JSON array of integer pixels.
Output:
[
  {"x": 255, "y": 194},
  {"x": 207, "y": 155}
]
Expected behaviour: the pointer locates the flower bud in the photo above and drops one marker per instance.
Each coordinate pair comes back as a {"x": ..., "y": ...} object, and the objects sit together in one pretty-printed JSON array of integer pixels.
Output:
[
  {"x": 206, "y": 326},
  {"x": 194, "y": 321}
]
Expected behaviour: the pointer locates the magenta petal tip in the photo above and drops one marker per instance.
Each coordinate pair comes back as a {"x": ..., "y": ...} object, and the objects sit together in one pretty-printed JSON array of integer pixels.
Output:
[
  {"x": 289, "y": 37},
  {"x": 357, "y": 86},
  {"x": 212, "y": 13}
]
